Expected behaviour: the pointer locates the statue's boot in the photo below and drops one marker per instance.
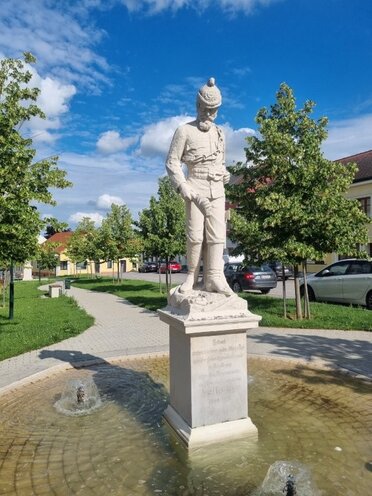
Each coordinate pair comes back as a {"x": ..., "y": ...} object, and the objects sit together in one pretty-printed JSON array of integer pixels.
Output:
[
  {"x": 215, "y": 278},
  {"x": 193, "y": 252}
]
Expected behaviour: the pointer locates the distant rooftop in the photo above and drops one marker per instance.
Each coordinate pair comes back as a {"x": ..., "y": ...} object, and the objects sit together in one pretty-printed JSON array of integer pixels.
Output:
[
  {"x": 62, "y": 238},
  {"x": 364, "y": 163}
]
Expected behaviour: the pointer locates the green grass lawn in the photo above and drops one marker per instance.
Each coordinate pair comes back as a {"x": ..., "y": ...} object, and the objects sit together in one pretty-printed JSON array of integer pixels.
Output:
[
  {"x": 324, "y": 316},
  {"x": 39, "y": 321}
]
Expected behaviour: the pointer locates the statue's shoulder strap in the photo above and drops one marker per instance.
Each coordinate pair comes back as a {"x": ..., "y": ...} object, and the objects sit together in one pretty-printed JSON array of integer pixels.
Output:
[{"x": 221, "y": 136}]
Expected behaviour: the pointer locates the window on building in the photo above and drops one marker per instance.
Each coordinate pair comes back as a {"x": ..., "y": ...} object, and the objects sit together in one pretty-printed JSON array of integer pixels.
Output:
[
  {"x": 64, "y": 265},
  {"x": 365, "y": 204},
  {"x": 109, "y": 264},
  {"x": 81, "y": 265}
]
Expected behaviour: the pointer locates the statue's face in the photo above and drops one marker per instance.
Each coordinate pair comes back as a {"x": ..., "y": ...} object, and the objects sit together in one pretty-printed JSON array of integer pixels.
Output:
[{"x": 207, "y": 113}]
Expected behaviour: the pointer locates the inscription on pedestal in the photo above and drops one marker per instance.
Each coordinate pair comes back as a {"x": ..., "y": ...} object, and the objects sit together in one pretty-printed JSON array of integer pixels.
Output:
[{"x": 219, "y": 378}]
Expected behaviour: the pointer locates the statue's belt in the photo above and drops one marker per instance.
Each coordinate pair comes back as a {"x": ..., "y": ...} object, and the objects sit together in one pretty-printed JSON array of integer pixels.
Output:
[{"x": 209, "y": 175}]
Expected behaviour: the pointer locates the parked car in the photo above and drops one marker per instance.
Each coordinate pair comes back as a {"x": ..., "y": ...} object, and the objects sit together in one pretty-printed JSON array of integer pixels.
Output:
[
  {"x": 252, "y": 277},
  {"x": 277, "y": 267},
  {"x": 148, "y": 267},
  {"x": 346, "y": 281},
  {"x": 173, "y": 266}
]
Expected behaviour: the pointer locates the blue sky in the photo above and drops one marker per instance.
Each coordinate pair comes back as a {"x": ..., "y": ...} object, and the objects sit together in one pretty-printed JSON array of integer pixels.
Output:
[{"x": 118, "y": 76}]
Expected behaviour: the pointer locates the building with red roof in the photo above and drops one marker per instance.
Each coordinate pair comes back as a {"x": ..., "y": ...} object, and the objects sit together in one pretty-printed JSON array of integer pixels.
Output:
[{"x": 66, "y": 267}]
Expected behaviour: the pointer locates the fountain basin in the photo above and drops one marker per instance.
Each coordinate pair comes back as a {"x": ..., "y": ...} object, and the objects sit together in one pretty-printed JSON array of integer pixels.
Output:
[{"x": 318, "y": 417}]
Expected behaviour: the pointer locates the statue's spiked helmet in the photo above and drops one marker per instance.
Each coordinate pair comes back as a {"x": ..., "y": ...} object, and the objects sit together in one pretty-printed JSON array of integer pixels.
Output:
[{"x": 209, "y": 95}]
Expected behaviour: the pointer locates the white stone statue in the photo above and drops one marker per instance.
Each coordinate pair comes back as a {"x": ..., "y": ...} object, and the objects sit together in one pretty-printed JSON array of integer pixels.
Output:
[{"x": 200, "y": 145}]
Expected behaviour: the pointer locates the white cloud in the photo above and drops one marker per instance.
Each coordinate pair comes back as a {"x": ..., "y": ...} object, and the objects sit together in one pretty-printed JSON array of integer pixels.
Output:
[
  {"x": 59, "y": 35},
  {"x": 54, "y": 95},
  {"x": 131, "y": 179},
  {"x": 53, "y": 100},
  {"x": 154, "y": 6},
  {"x": 241, "y": 71},
  {"x": 231, "y": 6},
  {"x": 105, "y": 201},
  {"x": 79, "y": 216},
  {"x": 112, "y": 142},
  {"x": 246, "y": 6},
  {"x": 156, "y": 138},
  {"x": 348, "y": 137},
  {"x": 235, "y": 143}
]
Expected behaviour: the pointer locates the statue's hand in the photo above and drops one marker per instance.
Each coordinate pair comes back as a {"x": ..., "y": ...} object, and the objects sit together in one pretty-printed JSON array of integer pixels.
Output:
[
  {"x": 185, "y": 191},
  {"x": 226, "y": 177},
  {"x": 203, "y": 204}
]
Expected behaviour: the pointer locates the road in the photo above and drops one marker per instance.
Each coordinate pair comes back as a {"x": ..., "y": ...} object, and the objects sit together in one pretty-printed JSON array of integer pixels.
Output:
[{"x": 179, "y": 278}]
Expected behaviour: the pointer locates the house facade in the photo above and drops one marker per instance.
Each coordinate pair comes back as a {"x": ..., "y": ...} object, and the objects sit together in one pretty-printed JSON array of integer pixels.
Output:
[
  {"x": 66, "y": 267},
  {"x": 361, "y": 190}
]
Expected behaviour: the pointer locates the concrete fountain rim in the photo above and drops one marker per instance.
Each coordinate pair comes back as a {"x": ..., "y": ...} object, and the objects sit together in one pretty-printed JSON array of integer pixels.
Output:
[{"x": 63, "y": 367}]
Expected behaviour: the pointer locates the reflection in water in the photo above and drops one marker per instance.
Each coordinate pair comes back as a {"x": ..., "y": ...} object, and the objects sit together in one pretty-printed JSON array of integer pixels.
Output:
[{"x": 123, "y": 448}]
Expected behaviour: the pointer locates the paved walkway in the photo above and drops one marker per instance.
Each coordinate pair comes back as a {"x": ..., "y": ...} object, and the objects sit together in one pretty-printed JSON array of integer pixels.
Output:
[{"x": 124, "y": 329}]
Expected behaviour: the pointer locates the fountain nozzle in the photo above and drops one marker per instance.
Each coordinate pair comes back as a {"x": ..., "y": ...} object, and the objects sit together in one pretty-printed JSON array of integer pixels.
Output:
[
  {"x": 290, "y": 487},
  {"x": 80, "y": 394}
]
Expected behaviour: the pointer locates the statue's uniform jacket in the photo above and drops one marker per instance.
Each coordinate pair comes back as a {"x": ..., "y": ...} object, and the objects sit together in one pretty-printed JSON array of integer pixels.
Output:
[{"x": 203, "y": 152}]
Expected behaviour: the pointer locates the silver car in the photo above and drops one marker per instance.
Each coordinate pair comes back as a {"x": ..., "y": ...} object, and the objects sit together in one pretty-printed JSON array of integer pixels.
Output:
[{"x": 346, "y": 281}]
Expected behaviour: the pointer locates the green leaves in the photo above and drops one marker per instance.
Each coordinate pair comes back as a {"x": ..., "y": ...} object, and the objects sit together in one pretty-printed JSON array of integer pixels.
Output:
[
  {"x": 162, "y": 225},
  {"x": 291, "y": 199},
  {"x": 22, "y": 182},
  {"x": 117, "y": 228}
]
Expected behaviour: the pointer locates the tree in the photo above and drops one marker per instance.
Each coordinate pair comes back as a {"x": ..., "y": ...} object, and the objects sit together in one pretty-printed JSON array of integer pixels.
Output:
[
  {"x": 162, "y": 225},
  {"x": 85, "y": 244},
  {"x": 118, "y": 233},
  {"x": 23, "y": 183},
  {"x": 291, "y": 203},
  {"x": 47, "y": 257}
]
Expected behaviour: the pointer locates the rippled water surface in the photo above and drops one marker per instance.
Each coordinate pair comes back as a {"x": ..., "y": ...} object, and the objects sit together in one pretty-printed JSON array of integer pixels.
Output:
[{"x": 320, "y": 418}]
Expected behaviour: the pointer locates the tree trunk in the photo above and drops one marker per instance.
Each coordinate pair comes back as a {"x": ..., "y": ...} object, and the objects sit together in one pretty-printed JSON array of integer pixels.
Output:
[
  {"x": 297, "y": 294},
  {"x": 5, "y": 275},
  {"x": 118, "y": 271},
  {"x": 284, "y": 294},
  {"x": 158, "y": 265},
  {"x": 306, "y": 293},
  {"x": 166, "y": 273},
  {"x": 11, "y": 292}
]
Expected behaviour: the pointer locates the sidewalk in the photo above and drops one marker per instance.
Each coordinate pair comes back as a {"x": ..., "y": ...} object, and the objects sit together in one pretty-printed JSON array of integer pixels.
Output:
[{"x": 122, "y": 328}]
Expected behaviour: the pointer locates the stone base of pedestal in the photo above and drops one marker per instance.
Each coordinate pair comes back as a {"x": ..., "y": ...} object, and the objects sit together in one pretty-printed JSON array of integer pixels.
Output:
[
  {"x": 209, "y": 434},
  {"x": 208, "y": 367}
]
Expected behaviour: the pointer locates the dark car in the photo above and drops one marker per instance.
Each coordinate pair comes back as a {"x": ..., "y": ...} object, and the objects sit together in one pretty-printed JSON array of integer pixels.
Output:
[
  {"x": 277, "y": 267},
  {"x": 251, "y": 277},
  {"x": 148, "y": 267}
]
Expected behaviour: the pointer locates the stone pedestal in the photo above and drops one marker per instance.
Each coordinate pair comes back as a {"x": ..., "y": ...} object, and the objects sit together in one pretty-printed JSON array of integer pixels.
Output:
[
  {"x": 208, "y": 367},
  {"x": 27, "y": 272}
]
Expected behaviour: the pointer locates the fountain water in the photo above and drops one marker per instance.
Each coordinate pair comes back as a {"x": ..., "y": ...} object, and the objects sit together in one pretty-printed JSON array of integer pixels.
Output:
[
  {"x": 123, "y": 447},
  {"x": 290, "y": 478},
  {"x": 80, "y": 397}
]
